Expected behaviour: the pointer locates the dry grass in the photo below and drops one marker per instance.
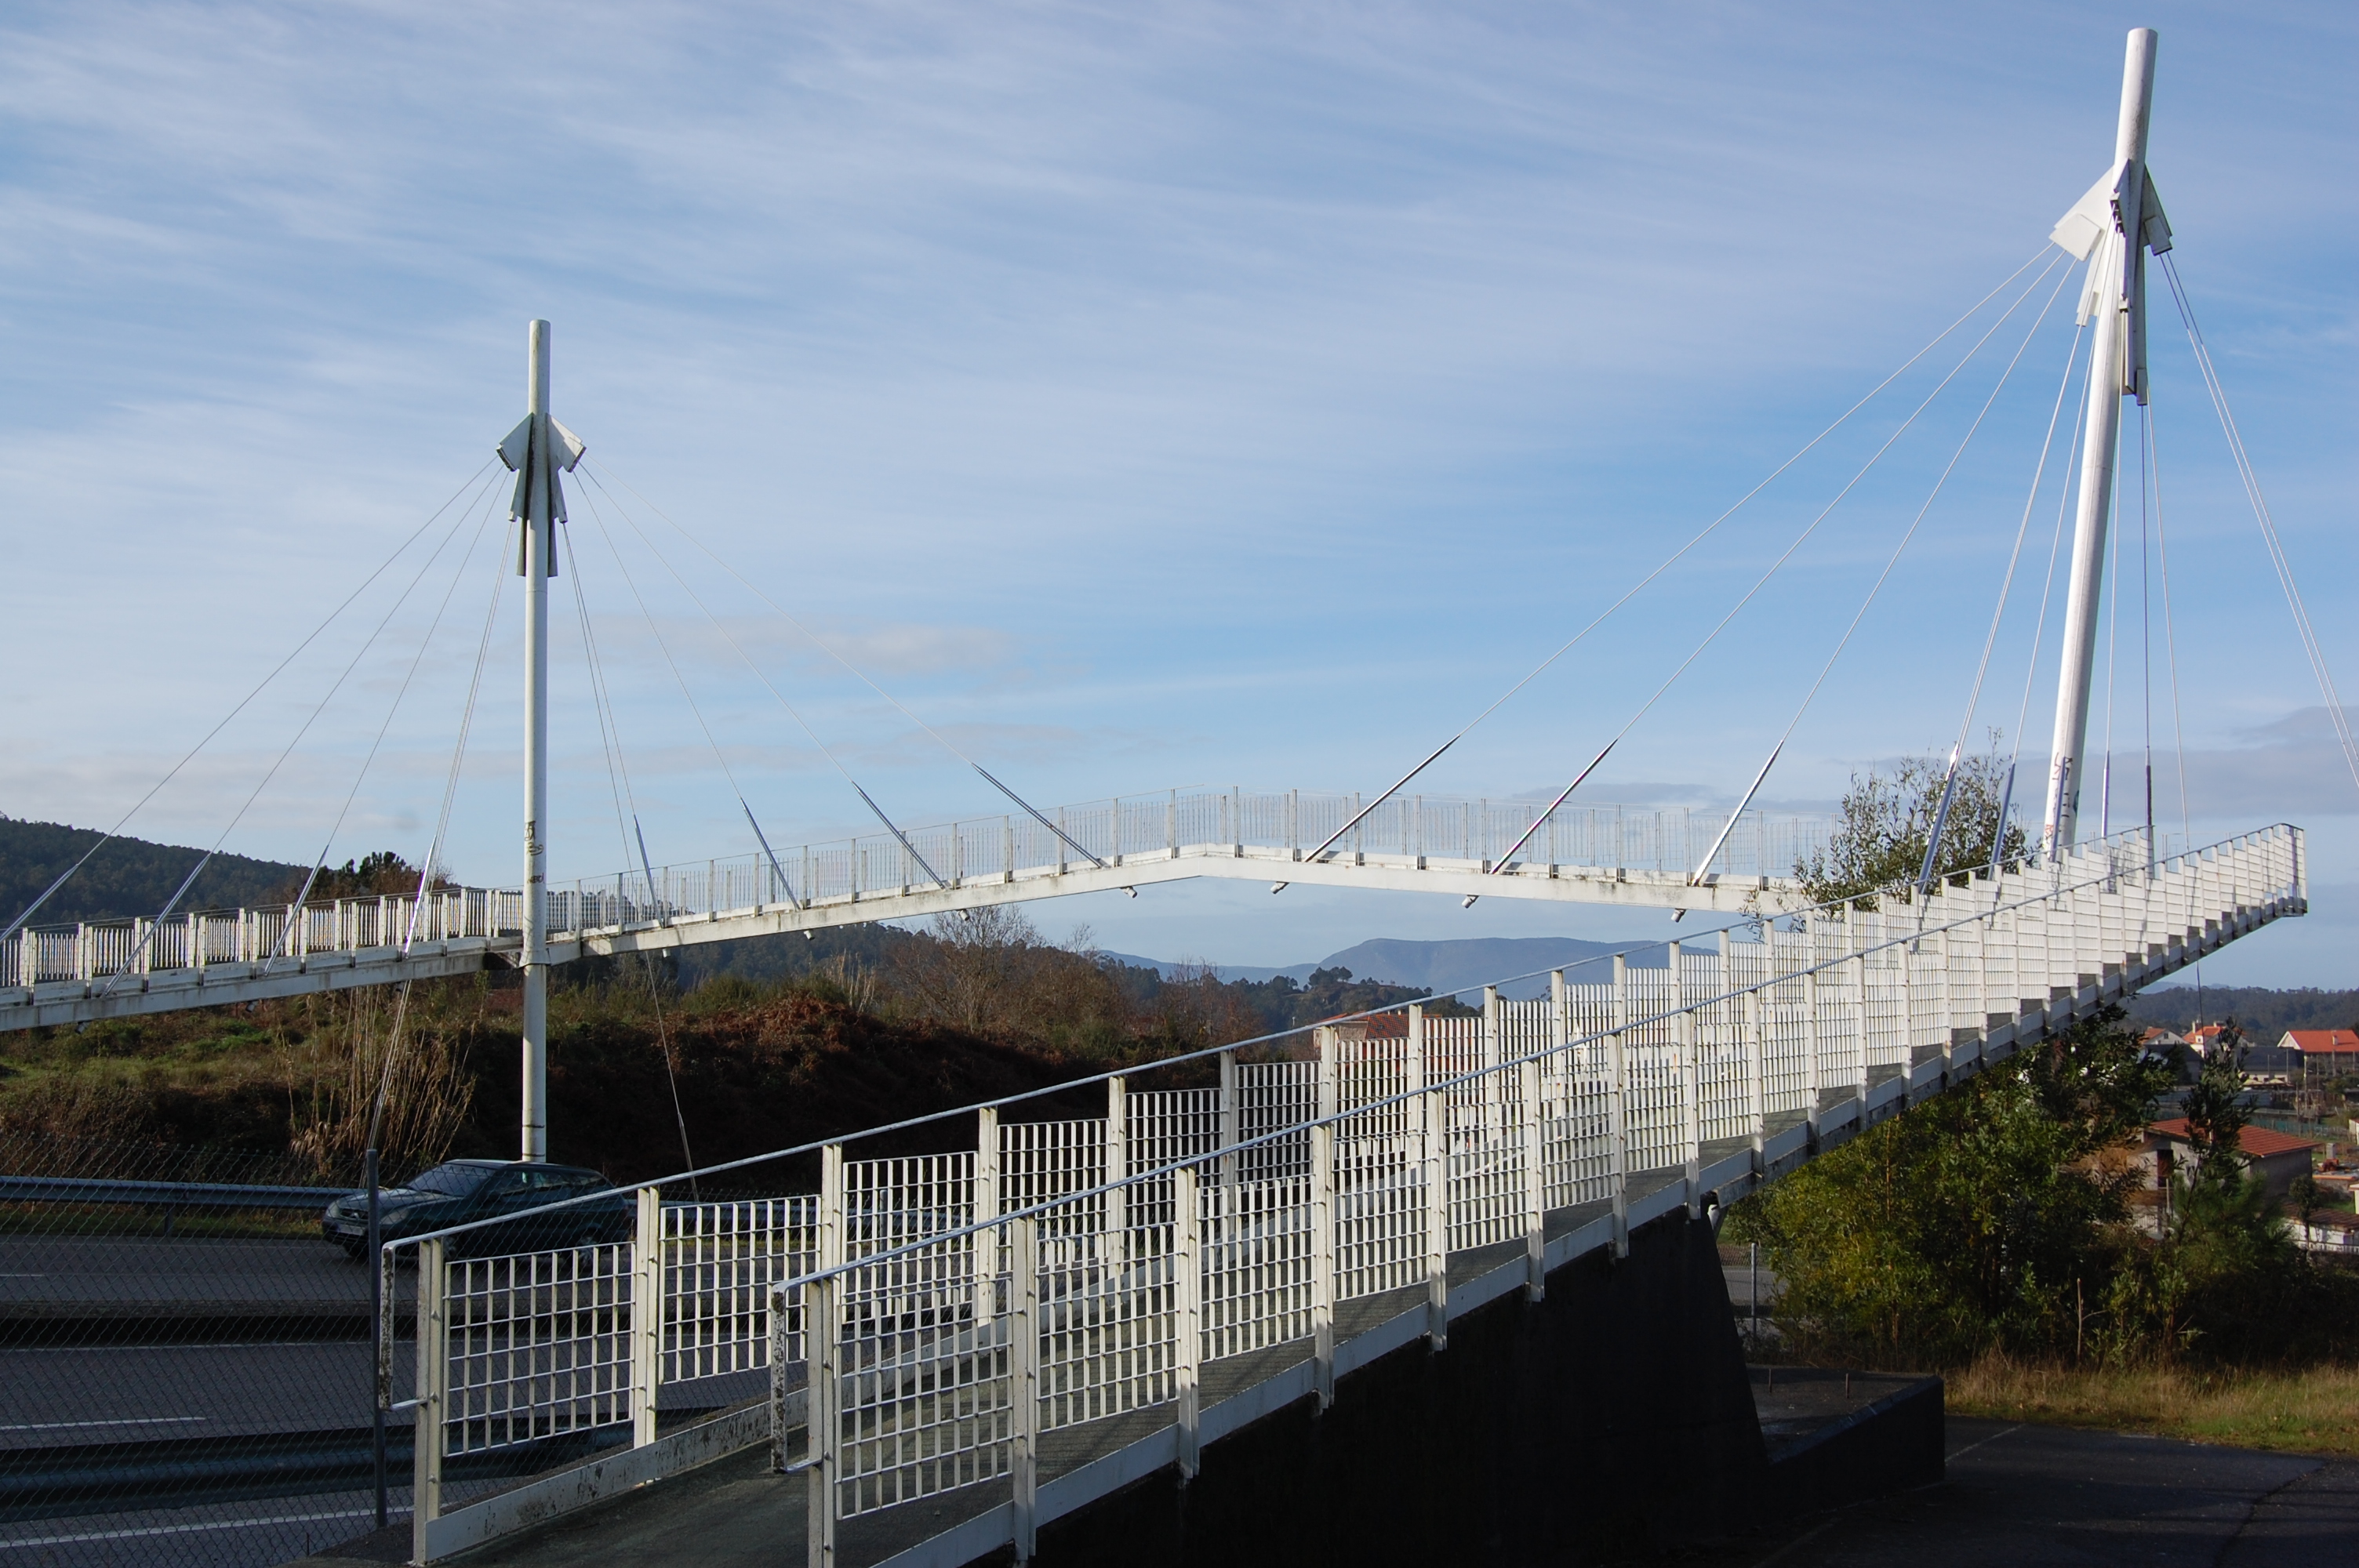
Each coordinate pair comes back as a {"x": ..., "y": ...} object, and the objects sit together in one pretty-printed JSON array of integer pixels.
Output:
[{"x": 2310, "y": 1411}]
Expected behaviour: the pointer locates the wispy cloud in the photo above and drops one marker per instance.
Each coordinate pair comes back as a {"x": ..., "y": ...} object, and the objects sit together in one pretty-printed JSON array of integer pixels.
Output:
[{"x": 1208, "y": 392}]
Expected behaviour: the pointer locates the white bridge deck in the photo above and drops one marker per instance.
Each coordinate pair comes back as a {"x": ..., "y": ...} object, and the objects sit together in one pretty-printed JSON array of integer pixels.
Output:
[
  {"x": 1586, "y": 854},
  {"x": 979, "y": 1340}
]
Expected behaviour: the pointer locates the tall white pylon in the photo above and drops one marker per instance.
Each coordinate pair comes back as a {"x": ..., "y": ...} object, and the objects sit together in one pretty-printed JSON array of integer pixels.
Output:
[
  {"x": 537, "y": 450},
  {"x": 2113, "y": 228}
]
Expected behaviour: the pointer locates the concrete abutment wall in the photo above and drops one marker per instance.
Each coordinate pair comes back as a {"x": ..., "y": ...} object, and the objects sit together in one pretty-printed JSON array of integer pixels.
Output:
[{"x": 1612, "y": 1417}]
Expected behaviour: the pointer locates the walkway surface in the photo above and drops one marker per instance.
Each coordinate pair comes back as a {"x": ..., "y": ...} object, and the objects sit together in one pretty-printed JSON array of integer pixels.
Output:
[
  {"x": 2028, "y": 1497},
  {"x": 2044, "y": 1497}
]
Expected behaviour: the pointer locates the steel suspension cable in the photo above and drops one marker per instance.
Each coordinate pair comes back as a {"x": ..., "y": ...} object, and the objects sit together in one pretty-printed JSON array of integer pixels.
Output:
[
  {"x": 109, "y": 836},
  {"x": 288, "y": 750},
  {"x": 1668, "y": 562},
  {"x": 602, "y": 703},
  {"x": 2039, "y": 637},
  {"x": 2169, "y": 628},
  {"x": 678, "y": 677},
  {"x": 1998, "y": 616},
  {"x": 2250, "y": 476},
  {"x": 392, "y": 711},
  {"x": 466, "y": 727},
  {"x": 2145, "y": 617},
  {"x": 1763, "y": 582},
  {"x": 890, "y": 827},
  {"x": 2113, "y": 648},
  {"x": 1915, "y": 523},
  {"x": 823, "y": 646}
]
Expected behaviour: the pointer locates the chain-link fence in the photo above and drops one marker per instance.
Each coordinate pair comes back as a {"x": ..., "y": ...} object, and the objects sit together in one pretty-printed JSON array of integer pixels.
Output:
[{"x": 185, "y": 1367}]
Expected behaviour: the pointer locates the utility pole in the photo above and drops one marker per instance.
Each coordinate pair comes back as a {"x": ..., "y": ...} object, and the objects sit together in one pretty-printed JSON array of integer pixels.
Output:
[
  {"x": 537, "y": 450},
  {"x": 2112, "y": 228}
]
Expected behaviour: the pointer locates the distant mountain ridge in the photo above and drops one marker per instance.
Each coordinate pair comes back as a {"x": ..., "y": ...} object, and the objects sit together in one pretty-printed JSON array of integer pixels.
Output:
[
  {"x": 1460, "y": 966},
  {"x": 129, "y": 876}
]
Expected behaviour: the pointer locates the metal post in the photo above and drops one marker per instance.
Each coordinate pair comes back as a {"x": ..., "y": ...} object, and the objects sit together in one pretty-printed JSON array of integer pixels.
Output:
[
  {"x": 1117, "y": 1167},
  {"x": 1756, "y": 1040},
  {"x": 1433, "y": 1137},
  {"x": 1753, "y": 1291},
  {"x": 1229, "y": 1119},
  {"x": 1617, "y": 1106},
  {"x": 377, "y": 1335},
  {"x": 1493, "y": 1091},
  {"x": 433, "y": 1392},
  {"x": 1684, "y": 1045},
  {"x": 1322, "y": 1261},
  {"x": 987, "y": 1208},
  {"x": 1186, "y": 1306},
  {"x": 831, "y": 1237},
  {"x": 781, "y": 1343},
  {"x": 822, "y": 1312},
  {"x": 2117, "y": 365},
  {"x": 1811, "y": 1066},
  {"x": 1533, "y": 1186},
  {"x": 646, "y": 1315},
  {"x": 1024, "y": 1379},
  {"x": 1859, "y": 1008},
  {"x": 539, "y": 560}
]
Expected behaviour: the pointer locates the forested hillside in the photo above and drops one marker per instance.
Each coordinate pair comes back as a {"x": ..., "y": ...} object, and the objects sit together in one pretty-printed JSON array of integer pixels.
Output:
[
  {"x": 2264, "y": 1014},
  {"x": 129, "y": 877}
]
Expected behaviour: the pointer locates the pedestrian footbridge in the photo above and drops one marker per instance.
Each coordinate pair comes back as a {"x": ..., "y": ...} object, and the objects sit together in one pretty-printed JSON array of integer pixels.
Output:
[
  {"x": 952, "y": 1336},
  {"x": 1504, "y": 848}
]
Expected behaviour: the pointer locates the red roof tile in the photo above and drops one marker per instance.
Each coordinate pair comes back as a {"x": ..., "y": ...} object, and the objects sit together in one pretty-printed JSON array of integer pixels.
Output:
[{"x": 2256, "y": 1140}]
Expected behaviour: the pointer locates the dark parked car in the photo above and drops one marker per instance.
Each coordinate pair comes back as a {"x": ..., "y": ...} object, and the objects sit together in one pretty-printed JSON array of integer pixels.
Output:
[{"x": 459, "y": 1191}]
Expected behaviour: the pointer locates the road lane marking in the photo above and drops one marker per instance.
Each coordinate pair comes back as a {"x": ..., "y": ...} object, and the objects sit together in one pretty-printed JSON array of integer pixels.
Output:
[
  {"x": 1993, "y": 1437},
  {"x": 128, "y": 1421},
  {"x": 188, "y": 1529}
]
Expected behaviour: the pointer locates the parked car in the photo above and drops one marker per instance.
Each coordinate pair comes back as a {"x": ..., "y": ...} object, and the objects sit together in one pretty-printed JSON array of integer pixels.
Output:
[{"x": 460, "y": 1191}]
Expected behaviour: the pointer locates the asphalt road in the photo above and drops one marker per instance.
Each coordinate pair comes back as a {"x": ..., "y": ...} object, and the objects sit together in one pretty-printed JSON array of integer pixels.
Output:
[
  {"x": 137, "y": 1392},
  {"x": 185, "y": 1272},
  {"x": 220, "y": 1535},
  {"x": 2039, "y": 1496}
]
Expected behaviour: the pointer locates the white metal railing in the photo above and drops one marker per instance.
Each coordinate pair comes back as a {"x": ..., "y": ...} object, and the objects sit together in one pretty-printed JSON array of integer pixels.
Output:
[
  {"x": 108, "y": 949},
  {"x": 949, "y": 1309},
  {"x": 1413, "y": 830}
]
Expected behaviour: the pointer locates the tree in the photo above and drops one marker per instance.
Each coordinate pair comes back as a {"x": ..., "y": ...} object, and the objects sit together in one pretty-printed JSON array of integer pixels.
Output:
[
  {"x": 2216, "y": 1117},
  {"x": 1877, "y": 851},
  {"x": 373, "y": 875},
  {"x": 1967, "y": 1223}
]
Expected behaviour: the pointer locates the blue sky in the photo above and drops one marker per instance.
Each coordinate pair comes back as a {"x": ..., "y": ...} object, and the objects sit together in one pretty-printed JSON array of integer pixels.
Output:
[{"x": 1215, "y": 394}]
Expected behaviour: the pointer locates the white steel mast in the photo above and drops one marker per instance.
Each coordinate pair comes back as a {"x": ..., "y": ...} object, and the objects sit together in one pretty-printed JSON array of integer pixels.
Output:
[
  {"x": 2112, "y": 228},
  {"x": 537, "y": 450}
]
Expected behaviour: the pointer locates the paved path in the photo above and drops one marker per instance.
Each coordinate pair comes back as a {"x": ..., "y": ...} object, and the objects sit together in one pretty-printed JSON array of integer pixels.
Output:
[
  {"x": 2038, "y": 1497},
  {"x": 2021, "y": 1497}
]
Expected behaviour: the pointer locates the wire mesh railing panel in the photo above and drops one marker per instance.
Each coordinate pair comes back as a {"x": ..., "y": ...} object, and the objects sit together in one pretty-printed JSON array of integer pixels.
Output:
[
  {"x": 1257, "y": 1265},
  {"x": 1485, "y": 1174},
  {"x": 720, "y": 1262},
  {"x": 1380, "y": 1214},
  {"x": 1273, "y": 1096},
  {"x": 888, "y": 1203},
  {"x": 1042, "y": 1161},
  {"x": 923, "y": 1401},
  {"x": 1577, "y": 1128},
  {"x": 1169, "y": 1127},
  {"x": 539, "y": 1345},
  {"x": 1107, "y": 1303},
  {"x": 1370, "y": 1068}
]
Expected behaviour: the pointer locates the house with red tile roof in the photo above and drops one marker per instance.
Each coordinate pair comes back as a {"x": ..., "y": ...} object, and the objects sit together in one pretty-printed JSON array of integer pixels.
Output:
[
  {"x": 2277, "y": 1158},
  {"x": 2331, "y": 1049}
]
